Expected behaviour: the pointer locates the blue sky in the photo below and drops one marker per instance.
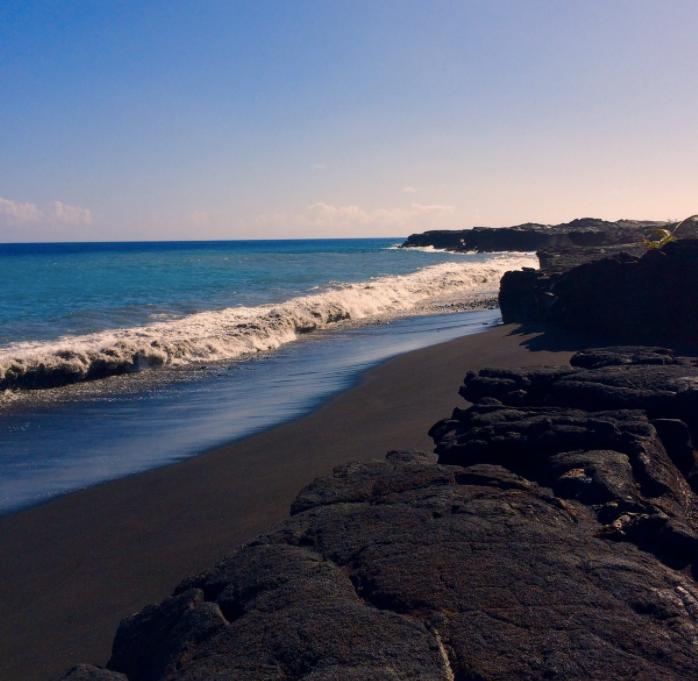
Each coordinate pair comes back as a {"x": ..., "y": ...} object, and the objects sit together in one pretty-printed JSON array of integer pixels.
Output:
[{"x": 175, "y": 120}]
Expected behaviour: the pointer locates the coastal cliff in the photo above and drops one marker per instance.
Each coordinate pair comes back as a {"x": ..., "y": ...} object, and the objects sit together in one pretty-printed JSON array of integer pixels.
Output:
[
  {"x": 649, "y": 299},
  {"x": 595, "y": 276}
]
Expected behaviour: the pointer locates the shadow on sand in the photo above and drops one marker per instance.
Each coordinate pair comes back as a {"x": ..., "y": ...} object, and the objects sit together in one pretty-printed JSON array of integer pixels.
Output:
[{"x": 548, "y": 337}]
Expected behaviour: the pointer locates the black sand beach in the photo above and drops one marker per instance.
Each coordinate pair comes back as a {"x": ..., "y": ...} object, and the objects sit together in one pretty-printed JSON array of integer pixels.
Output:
[{"x": 73, "y": 567}]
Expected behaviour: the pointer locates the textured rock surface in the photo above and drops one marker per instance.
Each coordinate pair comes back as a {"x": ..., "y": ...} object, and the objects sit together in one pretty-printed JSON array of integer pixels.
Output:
[
  {"x": 88, "y": 672},
  {"x": 615, "y": 431},
  {"x": 583, "y": 233},
  {"x": 642, "y": 299},
  {"x": 553, "y": 539},
  {"x": 595, "y": 276}
]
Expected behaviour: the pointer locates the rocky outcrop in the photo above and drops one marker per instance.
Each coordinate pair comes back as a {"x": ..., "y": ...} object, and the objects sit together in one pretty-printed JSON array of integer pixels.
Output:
[
  {"x": 554, "y": 538},
  {"x": 582, "y": 236},
  {"x": 639, "y": 299},
  {"x": 88, "y": 672},
  {"x": 595, "y": 276},
  {"x": 615, "y": 432}
]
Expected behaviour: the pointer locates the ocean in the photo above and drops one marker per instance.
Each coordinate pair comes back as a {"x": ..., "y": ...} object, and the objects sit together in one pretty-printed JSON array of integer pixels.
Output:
[{"x": 119, "y": 357}]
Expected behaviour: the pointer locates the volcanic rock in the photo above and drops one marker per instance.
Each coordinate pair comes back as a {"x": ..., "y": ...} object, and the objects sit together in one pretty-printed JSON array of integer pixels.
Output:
[
  {"x": 443, "y": 572},
  {"x": 88, "y": 672},
  {"x": 569, "y": 237},
  {"x": 648, "y": 299},
  {"x": 555, "y": 538}
]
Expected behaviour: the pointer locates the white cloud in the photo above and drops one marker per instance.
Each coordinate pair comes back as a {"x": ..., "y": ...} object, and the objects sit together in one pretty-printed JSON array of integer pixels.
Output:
[
  {"x": 70, "y": 215},
  {"x": 409, "y": 189},
  {"x": 327, "y": 218},
  {"x": 354, "y": 216},
  {"x": 15, "y": 213}
]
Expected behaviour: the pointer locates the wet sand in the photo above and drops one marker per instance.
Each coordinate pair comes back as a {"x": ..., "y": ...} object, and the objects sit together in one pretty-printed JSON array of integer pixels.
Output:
[{"x": 73, "y": 567}]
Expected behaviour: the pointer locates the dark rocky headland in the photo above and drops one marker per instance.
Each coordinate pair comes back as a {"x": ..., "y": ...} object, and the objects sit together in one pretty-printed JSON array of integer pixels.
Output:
[
  {"x": 532, "y": 236},
  {"x": 595, "y": 277},
  {"x": 553, "y": 534}
]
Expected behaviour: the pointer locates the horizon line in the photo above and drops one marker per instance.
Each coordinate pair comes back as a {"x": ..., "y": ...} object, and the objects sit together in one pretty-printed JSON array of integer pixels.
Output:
[{"x": 206, "y": 241}]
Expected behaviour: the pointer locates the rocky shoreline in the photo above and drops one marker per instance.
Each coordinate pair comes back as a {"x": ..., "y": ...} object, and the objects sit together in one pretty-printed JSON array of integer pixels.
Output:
[
  {"x": 553, "y": 534},
  {"x": 582, "y": 233},
  {"x": 648, "y": 298},
  {"x": 559, "y": 247},
  {"x": 597, "y": 277}
]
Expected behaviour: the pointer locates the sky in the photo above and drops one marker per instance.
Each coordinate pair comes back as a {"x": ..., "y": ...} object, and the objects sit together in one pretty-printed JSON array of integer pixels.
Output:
[{"x": 332, "y": 118}]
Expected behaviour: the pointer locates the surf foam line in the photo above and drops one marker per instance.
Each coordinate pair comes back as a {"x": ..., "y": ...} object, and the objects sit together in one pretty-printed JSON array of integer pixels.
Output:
[
  {"x": 236, "y": 332},
  {"x": 429, "y": 249}
]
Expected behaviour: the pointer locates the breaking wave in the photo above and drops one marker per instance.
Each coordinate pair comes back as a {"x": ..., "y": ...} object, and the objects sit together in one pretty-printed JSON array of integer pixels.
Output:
[{"x": 235, "y": 332}]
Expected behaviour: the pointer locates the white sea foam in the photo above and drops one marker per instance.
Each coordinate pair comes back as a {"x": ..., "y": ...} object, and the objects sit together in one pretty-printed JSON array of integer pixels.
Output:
[
  {"x": 234, "y": 332},
  {"x": 429, "y": 249}
]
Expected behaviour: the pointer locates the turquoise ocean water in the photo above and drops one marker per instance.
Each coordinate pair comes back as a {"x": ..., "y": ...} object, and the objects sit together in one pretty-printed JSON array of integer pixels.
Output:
[{"x": 119, "y": 357}]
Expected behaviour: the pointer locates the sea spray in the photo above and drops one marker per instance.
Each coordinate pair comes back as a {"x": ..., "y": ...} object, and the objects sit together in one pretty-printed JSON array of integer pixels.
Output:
[{"x": 235, "y": 332}]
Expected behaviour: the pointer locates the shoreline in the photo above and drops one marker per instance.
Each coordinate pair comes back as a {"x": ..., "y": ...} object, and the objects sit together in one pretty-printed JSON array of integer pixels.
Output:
[
  {"x": 79, "y": 563},
  {"x": 171, "y": 419},
  {"x": 252, "y": 324}
]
